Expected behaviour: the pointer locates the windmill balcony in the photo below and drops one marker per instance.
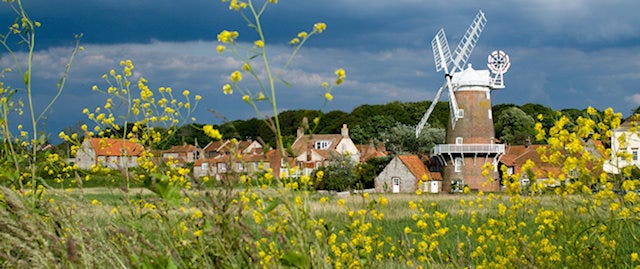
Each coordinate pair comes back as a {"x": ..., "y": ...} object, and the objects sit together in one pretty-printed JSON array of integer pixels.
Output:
[{"x": 470, "y": 149}]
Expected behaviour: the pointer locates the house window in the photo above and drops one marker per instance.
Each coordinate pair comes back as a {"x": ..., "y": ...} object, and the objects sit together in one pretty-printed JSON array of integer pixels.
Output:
[
  {"x": 634, "y": 153},
  {"x": 457, "y": 165},
  {"x": 321, "y": 144},
  {"x": 240, "y": 167},
  {"x": 205, "y": 166},
  {"x": 509, "y": 170},
  {"x": 490, "y": 113},
  {"x": 222, "y": 167},
  {"x": 461, "y": 113},
  {"x": 458, "y": 140}
]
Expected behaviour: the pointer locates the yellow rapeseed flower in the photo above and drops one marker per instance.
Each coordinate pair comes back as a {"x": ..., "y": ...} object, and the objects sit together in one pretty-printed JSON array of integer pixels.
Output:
[
  {"x": 236, "y": 76},
  {"x": 220, "y": 48},
  {"x": 340, "y": 76},
  {"x": 226, "y": 89},
  {"x": 319, "y": 27},
  {"x": 211, "y": 132},
  {"x": 328, "y": 96},
  {"x": 259, "y": 44},
  {"x": 227, "y": 36}
]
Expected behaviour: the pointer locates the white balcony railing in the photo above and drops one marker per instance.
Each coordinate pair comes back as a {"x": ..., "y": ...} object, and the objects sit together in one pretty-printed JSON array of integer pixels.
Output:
[{"x": 468, "y": 149}]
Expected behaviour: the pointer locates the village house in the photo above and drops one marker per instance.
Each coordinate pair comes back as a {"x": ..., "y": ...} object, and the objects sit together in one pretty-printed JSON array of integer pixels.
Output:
[
  {"x": 315, "y": 150},
  {"x": 108, "y": 152},
  {"x": 222, "y": 157},
  {"x": 183, "y": 154},
  {"x": 371, "y": 150},
  {"x": 547, "y": 173},
  {"x": 516, "y": 156},
  {"x": 404, "y": 173},
  {"x": 625, "y": 144},
  {"x": 309, "y": 153}
]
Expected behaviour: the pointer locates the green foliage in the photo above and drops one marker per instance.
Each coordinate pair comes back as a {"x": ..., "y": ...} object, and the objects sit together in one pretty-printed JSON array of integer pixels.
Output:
[
  {"x": 514, "y": 126},
  {"x": 339, "y": 175},
  {"x": 401, "y": 139},
  {"x": 533, "y": 110},
  {"x": 371, "y": 129},
  {"x": 369, "y": 170}
]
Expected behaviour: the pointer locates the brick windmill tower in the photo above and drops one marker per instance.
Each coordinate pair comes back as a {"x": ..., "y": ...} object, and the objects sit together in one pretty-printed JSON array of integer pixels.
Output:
[{"x": 470, "y": 133}]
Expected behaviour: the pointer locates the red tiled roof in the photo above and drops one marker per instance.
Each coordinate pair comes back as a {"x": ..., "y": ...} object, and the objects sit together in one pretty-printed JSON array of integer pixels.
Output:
[
  {"x": 415, "y": 165},
  {"x": 435, "y": 176},
  {"x": 517, "y": 155},
  {"x": 181, "y": 149},
  {"x": 215, "y": 145},
  {"x": 307, "y": 142},
  {"x": 115, "y": 147},
  {"x": 368, "y": 151}
]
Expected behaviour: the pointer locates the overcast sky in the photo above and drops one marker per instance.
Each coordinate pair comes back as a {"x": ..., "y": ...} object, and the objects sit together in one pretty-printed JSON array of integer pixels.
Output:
[{"x": 564, "y": 54}]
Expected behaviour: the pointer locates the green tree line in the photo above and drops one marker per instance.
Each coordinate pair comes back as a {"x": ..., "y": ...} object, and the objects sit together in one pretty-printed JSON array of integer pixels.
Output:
[{"x": 392, "y": 123}]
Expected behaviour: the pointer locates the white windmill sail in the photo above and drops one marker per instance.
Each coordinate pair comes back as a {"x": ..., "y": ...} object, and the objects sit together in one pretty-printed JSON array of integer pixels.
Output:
[{"x": 444, "y": 61}]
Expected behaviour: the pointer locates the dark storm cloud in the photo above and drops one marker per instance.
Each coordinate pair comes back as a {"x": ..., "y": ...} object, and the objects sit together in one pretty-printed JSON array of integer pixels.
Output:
[{"x": 564, "y": 53}]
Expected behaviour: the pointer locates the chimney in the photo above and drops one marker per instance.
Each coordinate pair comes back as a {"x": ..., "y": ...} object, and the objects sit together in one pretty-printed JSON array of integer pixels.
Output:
[
  {"x": 300, "y": 132},
  {"x": 345, "y": 130}
]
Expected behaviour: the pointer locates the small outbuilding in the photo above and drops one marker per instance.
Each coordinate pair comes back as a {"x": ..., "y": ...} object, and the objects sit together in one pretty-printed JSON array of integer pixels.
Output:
[{"x": 404, "y": 173}]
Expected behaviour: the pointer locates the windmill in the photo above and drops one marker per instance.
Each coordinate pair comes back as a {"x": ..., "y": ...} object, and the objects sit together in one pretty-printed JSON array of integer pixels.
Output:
[
  {"x": 452, "y": 63},
  {"x": 470, "y": 141}
]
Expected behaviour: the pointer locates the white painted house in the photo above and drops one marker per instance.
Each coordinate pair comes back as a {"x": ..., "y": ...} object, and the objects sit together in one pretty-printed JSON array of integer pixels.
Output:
[
  {"x": 625, "y": 146},
  {"x": 108, "y": 152},
  {"x": 315, "y": 150},
  {"x": 404, "y": 173}
]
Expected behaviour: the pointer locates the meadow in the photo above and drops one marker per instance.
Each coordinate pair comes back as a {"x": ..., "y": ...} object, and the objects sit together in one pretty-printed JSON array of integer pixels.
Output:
[
  {"x": 267, "y": 227},
  {"x": 156, "y": 215}
]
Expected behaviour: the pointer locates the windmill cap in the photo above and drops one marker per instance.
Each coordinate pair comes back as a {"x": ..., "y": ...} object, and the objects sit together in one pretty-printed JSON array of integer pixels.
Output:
[{"x": 472, "y": 77}]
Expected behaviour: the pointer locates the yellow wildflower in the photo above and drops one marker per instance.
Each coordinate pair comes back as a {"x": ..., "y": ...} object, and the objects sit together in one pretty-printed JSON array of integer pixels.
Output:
[
  {"x": 226, "y": 89},
  {"x": 211, "y": 132},
  {"x": 236, "y": 76},
  {"x": 319, "y": 27},
  {"x": 328, "y": 96}
]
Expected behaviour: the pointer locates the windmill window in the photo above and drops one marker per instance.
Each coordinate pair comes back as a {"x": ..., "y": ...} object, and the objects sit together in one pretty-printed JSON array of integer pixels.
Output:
[
  {"x": 457, "y": 165},
  {"x": 459, "y": 140},
  {"x": 460, "y": 113},
  {"x": 490, "y": 114},
  {"x": 488, "y": 95}
]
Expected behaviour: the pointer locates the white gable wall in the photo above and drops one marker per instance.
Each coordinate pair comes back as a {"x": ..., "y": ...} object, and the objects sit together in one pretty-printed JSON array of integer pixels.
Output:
[{"x": 395, "y": 168}]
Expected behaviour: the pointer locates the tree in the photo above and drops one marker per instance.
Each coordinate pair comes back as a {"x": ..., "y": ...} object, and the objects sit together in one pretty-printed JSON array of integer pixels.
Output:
[
  {"x": 371, "y": 129},
  {"x": 339, "y": 175},
  {"x": 367, "y": 171},
  {"x": 533, "y": 110},
  {"x": 514, "y": 126},
  {"x": 401, "y": 139}
]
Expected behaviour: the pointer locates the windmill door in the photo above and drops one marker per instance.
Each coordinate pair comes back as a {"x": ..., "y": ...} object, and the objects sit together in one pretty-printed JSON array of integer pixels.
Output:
[{"x": 396, "y": 185}]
